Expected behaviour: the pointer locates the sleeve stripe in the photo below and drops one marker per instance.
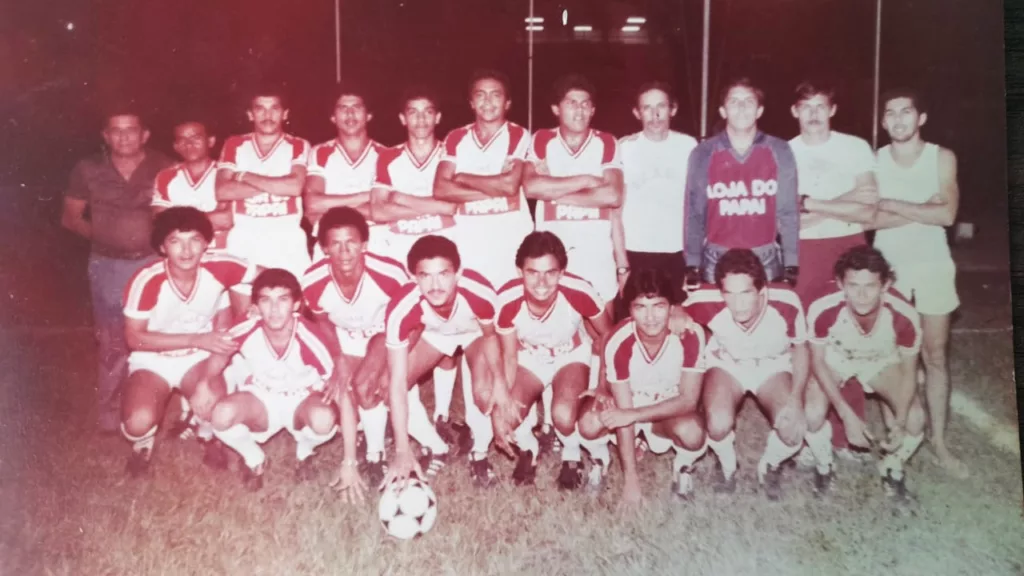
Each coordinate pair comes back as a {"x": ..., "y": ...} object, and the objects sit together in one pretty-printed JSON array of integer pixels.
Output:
[
  {"x": 618, "y": 352},
  {"x": 316, "y": 346},
  {"x": 397, "y": 317},
  {"x": 141, "y": 289}
]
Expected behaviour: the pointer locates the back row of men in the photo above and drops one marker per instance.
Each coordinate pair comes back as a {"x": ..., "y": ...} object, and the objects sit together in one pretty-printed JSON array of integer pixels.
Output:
[{"x": 616, "y": 205}]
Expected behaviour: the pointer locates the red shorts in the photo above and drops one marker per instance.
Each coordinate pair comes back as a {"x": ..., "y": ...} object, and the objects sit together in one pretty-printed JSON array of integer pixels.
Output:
[{"x": 817, "y": 258}]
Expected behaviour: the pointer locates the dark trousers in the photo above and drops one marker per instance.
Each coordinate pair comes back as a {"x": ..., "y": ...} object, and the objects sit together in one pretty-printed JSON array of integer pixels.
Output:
[{"x": 672, "y": 263}]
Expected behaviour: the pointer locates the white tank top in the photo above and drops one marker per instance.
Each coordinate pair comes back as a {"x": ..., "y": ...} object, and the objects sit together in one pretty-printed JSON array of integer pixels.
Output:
[{"x": 914, "y": 242}]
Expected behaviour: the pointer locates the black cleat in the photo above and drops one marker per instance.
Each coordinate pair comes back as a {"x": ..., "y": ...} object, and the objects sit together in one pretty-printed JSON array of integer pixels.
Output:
[
  {"x": 547, "y": 440},
  {"x": 896, "y": 489},
  {"x": 525, "y": 472},
  {"x": 771, "y": 483},
  {"x": 682, "y": 484},
  {"x": 184, "y": 428},
  {"x": 215, "y": 454},
  {"x": 446, "y": 430},
  {"x": 570, "y": 477},
  {"x": 723, "y": 485},
  {"x": 252, "y": 478},
  {"x": 138, "y": 463},
  {"x": 823, "y": 482},
  {"x": 304, "y": 471},
  {"x": 374, "y": 472},
  {"x": 463, "y": 439},
  {"x": 432, "y": 464},
  {"x": 482, "y": 473}
]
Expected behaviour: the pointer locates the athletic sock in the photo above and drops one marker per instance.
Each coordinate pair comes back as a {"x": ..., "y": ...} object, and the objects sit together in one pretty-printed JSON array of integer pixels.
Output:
[
  {"x": 444, "y": 388},
  {"x": 375, "y": 424},
  {"x": 204, "y": 430},
  {"x": 306, "y": 441},
  {"x": 685, "y": 457},
  {"x": 893, "y": 463},
  {"x": 598, "y": 449},
  {"x": 570, "y": 446},
  {"x": 525, "y": 439},
  {"x": 479, "y": 423},
  {"x": 820, "y": 444},
  {"x": 240, "y": 439},
  {"x": 420, "y": 426},
  {"x": 776, "y": 452},
  {"x": 725, "y": 450},
  {"x": 547, "y": 397}
]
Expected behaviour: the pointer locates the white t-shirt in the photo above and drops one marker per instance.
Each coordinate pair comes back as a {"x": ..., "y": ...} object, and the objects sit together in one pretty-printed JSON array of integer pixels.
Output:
[
  {"x": 829, "y": 170},
  {"x": 655, "y": 179}
]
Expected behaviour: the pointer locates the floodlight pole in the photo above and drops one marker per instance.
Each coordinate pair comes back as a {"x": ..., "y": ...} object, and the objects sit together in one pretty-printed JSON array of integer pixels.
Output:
[
  {"x": 878, "y": 70},
  {"x": 337, "y": 41},
  {"x": 704, "y": 70},
  {"x": 529, "y": 72}
]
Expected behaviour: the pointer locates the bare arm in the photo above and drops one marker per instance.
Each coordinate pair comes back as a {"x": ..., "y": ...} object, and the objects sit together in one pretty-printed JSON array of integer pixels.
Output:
[
  {"x": 138, "y": 337},
  {"x": 504, "y": 184},
  {"x": 826, "y": 379},
  {"x": 539, "y": 186},
  {"x": 73, "y": 217},
  {"x": 509, "y": 355},
  {"x": 398, "y": 397},
  {"x": 685, "y": 401},
  {"x": 448, "y": 188},
  {"x": 424, "y": 206},
  {"x": 903, "y": 395},
  {"x": 240, "y": 303},
  {"x": 941, "y": 209},
  {"x": 290, "y": 185},
  {"x": 607, "y": 195},
  {"x": 317, "y": 202},
  {"x": 599, "y": 327},
  {"x": 853, "y": 206},
  {"x": 229, "y": 189},
  {"x": 619, "y": 239},
  {"x": 349, "y": 421},
  {"x": 626, "y": 435},
  {"x": 383, "y": 209}
]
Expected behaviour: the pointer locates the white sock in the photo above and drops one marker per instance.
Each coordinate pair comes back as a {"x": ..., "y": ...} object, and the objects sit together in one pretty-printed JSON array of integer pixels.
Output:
[
  {"x": 306, "y": 441},
  {"x": 725, "y": 450},
  {"x": 185, "y": 408},
  {"x": 444, "y": 388},
  {"x": 598, "y": 449},
  {"x": 686, "y": 458},
  {"x": 524, "y": 434},
  {"x": 240, "y": 439},
  {"x": 140, "y": 443},
  {"x": 420, "y": 426},
  {"x": 479, "y": 423},
  {"x": 570, "y": 446},
  {"x": 375, "y": 424},
  {"x": 893, "y": 463},
  {"x": 204, "y": 430},
  {"x": 820, "y": 444},
  {"x": 776, "y": 452},
  {"x": 595, "y": 372}
]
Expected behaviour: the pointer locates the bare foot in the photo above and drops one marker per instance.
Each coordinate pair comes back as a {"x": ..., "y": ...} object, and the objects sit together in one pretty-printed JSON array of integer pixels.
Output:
[{"x": 949, "y": 463}]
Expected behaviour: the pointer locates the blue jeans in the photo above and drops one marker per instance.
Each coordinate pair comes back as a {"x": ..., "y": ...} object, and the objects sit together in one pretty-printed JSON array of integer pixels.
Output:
[
  {"x": 108, "y": 278},
  {"x": 769, "y": 254}
]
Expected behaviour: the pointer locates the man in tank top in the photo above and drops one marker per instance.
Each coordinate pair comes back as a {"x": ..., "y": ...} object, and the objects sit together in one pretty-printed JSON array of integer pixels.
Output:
[{"x": 919, "y": 198}]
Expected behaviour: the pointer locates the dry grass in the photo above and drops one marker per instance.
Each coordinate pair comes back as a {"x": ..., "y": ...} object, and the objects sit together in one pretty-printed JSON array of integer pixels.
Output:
[{"x": 67, "y": 507}]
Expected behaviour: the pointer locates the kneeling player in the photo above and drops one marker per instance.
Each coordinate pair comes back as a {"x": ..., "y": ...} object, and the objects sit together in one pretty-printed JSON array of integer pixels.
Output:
[
  {"x": 175, "y": 317},
  {"x": 655, "y": 378},
  {"x": 545, "y": 344},
  {"x": 278, "y": 375},
  {"x": 866, "y": 333},
  {"x": 758, "y": 347},
  {"x": 452, "y": 309}
]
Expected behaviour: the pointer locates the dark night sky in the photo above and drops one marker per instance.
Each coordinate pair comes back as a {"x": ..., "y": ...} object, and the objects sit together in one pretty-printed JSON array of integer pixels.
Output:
[{"x": 188, "y": 57}]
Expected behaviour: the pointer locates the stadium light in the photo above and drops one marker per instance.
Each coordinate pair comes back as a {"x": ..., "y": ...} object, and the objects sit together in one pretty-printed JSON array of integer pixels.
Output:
[
  {"x": 565, "y": 17},
  {"x": 582, "y": 28},
  {"x": 534, "y": 28},
  {"x": 630, "y": 28},
  {"x": 636, "y": 20},
  {"x": 534, "y": 20}
]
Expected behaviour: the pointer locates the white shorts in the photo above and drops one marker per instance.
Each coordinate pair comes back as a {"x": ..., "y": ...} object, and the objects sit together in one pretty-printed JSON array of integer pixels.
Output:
[
  {"x": 751, "y": 373},
  {"x": 865, "y": 371},
  {"x": 271, "y": 243},
  {"x": 657, "y": 444},
  {"x": 930, "y": 285},
  {"x": 545, "y": 366},
  {"x": 488, "y": 244},
  {"x": 448, "y": 344},
  {"x": 169, "y": 367},
  {"x": 280, "y": 411}
]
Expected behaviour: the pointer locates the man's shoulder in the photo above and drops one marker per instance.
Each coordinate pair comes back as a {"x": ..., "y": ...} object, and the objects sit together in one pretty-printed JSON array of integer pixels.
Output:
[{"x": 158, "y": 159}]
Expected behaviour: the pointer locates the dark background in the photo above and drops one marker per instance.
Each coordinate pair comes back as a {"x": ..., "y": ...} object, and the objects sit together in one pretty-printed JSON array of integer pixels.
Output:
[{"x": 194, "y": 57}]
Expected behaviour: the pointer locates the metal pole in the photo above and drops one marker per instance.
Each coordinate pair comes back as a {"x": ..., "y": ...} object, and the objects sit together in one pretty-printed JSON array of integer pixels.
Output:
[
  {"x": 529, "y": 72},
  {"x": 337, "y": 41},
  {"x": 704, "y": 70},
  {"x": 878, "y": 68}
]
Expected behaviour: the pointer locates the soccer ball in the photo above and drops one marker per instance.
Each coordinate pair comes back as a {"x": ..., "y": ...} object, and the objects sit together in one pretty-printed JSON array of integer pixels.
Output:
[{"x": 408, "y": 512}]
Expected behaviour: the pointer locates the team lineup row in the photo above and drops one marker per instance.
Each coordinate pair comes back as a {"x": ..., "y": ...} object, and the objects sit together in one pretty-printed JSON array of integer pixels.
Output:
[{"x": 674, "y": 373}]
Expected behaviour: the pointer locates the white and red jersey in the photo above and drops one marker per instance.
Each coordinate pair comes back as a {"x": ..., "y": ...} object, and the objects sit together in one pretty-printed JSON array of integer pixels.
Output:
[
  {"x": 652, "y": 377},
  {"x": 560, "y": 329},
  {"x": 241, "y": 154},
  {"x": 470, "y": 155},
  {"x": 599, "y": 152},
  {"x": 897, "y": 328},
  {"x": 301, "y": 368},
  {"x": 398, "y": 170},
  {"x": 175, "y": 186},
  {"x": 409, "y": 310},
  {"x": 151, "y": 295},
  {"x": 362, "y": 316},
  {"x": 780, "y": 324}
]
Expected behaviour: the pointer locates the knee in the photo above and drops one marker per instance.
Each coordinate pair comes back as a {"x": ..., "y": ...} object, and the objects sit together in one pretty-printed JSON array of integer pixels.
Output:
[
  {"x": 689, "y": 433},
  {"x": 589, "y": 426},
  {"x": 321, "y": 419},
  {"x": 139, "y": 421},
  {"x": 223, "y": 416},
  {"x": 934, "y": 357},
  {"x": 364, "y": 391},
  {"x": 202, "y": 402},
  {"x": 563, "y": 416},
  {"x": 815, "y": 412},
  {"x": 719, "y": 423}
]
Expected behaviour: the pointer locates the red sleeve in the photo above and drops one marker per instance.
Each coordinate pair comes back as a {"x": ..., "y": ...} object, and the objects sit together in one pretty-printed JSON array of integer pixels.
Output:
[
  {"x": 539, "y": 149},
  {"x": 313, "y": 349},
  {"x": 516, "y": 135},
  {"x": 510, "y": 302},
  {"x": 387, "y": 273},
  {"x": 618, "y": 352},
  {"x": 703, "y": 304},
  {"x": 610, "y": 154},
  {"x": 479, "y": 294},
  {"x": 240, "y": 332},
  {"x": 228, "y": 270},
  {"x": 451, "y": 143},
  {"x": 319, "y": 157},
  {"x": 788, "y": 304},
  {"x": 694, "y": 343},
  {"x": 229, "y": 154},
  {"x": 162, "y": 195},
  {"x": 581, "y": 295},
  {"x": 384, "y": 160},
  {"x": 143, "y": 291},
  {"x": 906, "y": 323},
  {"x": 404, "y": 314},
  {"x": 314, "y": 282},
  {"x": 300, "y": 150}
]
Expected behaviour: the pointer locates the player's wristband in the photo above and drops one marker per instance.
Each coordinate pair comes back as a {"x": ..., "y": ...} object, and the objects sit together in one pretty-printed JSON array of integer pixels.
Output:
[{"x": 622, "y": 270}]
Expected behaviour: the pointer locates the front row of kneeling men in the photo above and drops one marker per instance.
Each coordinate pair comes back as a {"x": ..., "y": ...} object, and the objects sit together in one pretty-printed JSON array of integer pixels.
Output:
[{"x": 674, "y": 372}]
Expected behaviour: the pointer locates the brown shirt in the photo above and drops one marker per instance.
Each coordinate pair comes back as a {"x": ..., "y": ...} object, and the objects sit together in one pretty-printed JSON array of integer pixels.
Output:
[{"x": 119, "y": 209}]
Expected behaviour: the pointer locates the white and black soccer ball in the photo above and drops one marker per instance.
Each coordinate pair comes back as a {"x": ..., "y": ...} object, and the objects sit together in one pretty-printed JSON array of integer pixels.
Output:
[{"x": 408, "y": 512}]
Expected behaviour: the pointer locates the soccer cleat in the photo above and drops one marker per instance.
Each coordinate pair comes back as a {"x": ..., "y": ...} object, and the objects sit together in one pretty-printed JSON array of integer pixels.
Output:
[
  {"x": 432, "y": 463},
  {"x": 138, "y": 463},
  {"x": 447, "y": 430},
  {"x": 857, "y": 456},
  {"x": 215, "y": 455},
  {"x": 682, "y": 484},
  {"x": 823, "y": 482},
  {"x": 570, "y": 477},
  {"x": 463, "y": 443},
  {"x": 547, "y": 440},
  {"x": 482, "y": 473},
  {"x": 304, "y": 471},
  {"x": 252, "y": 478},
  {"x": 185, "y": 427},
  {"x": 374, "y": 471},
  {"x": 595, "y": 478},
  {"x": 722, "y": 484},
  {"x": 525, "y": 472},
  {"x": 771, "y": 483},
  {"x": 896, "y": 489}
]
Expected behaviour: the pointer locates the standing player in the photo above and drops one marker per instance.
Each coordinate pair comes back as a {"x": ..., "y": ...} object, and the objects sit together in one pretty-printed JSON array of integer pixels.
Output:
[
  {"x": 741, "y": 192},
  {"x": 838, "y": 195},
  {"x": 655, "y": 185},
  {"x": 543, "y": 320},
  {"x": 175, "y": 317},
  {"x": 481, "y": 171},
  {"x": 759, "y": 347},
  {"x": 919, "y": 197},
  {"x": 348, "y": 293},
  {"x": 655, "y": 378},
  {"x": 341, "y": 171},
  {"x": 453, "y": 308},
  {"x": 278, "y": 376},
  {"x": 867, "y": 336},
  {"x": 262, "y": 174}
]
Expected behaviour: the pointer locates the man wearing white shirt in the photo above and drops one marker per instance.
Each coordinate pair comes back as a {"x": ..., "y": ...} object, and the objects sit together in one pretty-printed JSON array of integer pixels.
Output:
[{"x": 654, "y": 168}]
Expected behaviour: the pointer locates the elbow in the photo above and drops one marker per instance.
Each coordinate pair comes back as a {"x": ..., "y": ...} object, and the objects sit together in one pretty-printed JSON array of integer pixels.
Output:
[
  {"x": 948, "y": 220},
  {"x": 614, "y": 199}
]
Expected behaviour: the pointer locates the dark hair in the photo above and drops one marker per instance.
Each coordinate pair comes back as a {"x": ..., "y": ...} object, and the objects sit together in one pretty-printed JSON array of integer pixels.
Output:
[
  {"x": 432, "y": 246},
  {"x": 656, "y": 85},
  {"x": 649, "y": 283},
  {"x": 565, "y": 84},
  {"x": 351, "y": 89},
  {"x": 179, "y": 219},
  {"x": 339, "y": 217},
  {"x": 863, "y": 258},
  {"x": 276, "y": 278},
  {"x": 193, "y": 119},
  {"x": 742, "y": 82},
  {"x": 488, "y": 74},
  {"x": 540, "y": 244},
  {"x": 915, "y": 98},
  {"x": 418, "y": 92},
  {"x": 741, "y": 261},
  {"x": 126, "y": 107},
  {"x": 807, "y": 90},
  {"x": 268, "y": 90}
]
